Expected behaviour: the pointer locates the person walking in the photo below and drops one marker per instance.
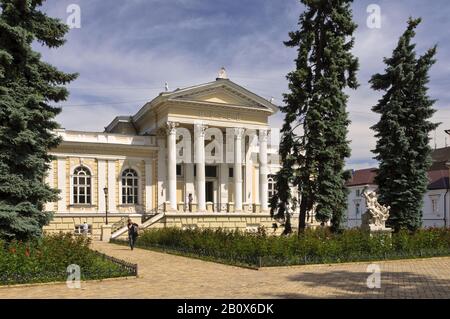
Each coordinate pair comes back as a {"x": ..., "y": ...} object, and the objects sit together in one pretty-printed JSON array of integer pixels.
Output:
[
  {"x": 133, "y": 230},
  {"x": 85, "y": 229},
  {"x": 190, "y": 199}
]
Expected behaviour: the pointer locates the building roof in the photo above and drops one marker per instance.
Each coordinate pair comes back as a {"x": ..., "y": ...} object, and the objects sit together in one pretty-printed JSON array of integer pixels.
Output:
[
  {"x": 363, "y": 177},
  {"x": 184, "y": 93},
  {"x": 441, "y": 154},
  {"x": 437, "y": 179}
]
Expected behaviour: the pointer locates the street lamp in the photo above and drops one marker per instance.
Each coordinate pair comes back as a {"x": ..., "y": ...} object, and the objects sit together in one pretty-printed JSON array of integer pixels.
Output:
[{"x": 105, "y": 190}]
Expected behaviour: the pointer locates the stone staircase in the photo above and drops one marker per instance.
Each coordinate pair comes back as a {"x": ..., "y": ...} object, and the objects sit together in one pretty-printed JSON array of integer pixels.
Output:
[{"x": 123, "y": 230}]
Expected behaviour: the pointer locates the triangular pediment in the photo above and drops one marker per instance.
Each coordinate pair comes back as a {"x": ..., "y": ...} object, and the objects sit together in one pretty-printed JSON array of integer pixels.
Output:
[
  {"x": 217, "y": 95},
  {"x": 222, "y": 92}
]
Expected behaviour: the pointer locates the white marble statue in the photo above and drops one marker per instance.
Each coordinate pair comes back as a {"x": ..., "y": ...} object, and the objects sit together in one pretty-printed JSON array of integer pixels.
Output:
[{"x": 376, "y": 215}]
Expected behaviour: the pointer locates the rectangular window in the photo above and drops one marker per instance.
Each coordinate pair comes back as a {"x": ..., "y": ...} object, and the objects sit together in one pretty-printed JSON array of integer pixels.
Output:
[
  {"x": 211, "y": 171},
  {"x": 179, "y": 171},
  {"x": 230, "y": 172}
]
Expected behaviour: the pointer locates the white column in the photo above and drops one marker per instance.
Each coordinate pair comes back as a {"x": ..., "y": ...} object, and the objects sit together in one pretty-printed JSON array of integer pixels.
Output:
[
  {"x": 172, "y": 164},
  {"x": 148, "y": 184},
  {"x": 62, "y": 182},
  {"x": 200, "y": 165},
  {"x": 189, "y": 181},
  {"x": 111, "y": 186},
  {"x": 101, "y": 168},
  {"x": 249, "y": 167},
  {"x": 239, "y": 133},
  {"x": 161, "y": 171},
  {"x": 263, "y": 170},
  {"x": 224, "y": 171}
]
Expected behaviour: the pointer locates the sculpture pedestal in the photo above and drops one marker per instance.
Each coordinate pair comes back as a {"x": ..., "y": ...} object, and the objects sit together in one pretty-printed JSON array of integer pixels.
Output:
[
  {"x": 385, "y": 232},
  {"x": 106, "y": 233},
  {"x": 374, "y": 229}
]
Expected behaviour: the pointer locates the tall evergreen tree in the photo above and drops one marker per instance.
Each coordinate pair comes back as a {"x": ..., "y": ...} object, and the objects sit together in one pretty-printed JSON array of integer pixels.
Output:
[
  {"x": 316, "y": 105},
  {"x": 27, "y": 86},
  {"x": 403, "y": 131}
]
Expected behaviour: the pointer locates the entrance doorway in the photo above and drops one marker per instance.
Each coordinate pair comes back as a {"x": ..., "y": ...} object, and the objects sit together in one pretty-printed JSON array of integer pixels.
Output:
[{"x": 209, "y": 189}]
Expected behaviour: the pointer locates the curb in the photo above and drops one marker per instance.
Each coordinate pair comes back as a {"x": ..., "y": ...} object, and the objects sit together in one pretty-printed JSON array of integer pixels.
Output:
[
  {"x": 38, "y": 284},
  {"x": 385, "y": 261}
]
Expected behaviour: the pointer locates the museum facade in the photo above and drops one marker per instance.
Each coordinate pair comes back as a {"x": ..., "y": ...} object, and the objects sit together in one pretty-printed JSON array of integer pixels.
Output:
[{"x": 199, "y": 156}]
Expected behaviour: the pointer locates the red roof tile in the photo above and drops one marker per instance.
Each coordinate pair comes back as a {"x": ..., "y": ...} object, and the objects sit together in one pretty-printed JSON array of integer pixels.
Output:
[
  {"x": 437, "y": 179},
  {"x": 363, "y": 177}
]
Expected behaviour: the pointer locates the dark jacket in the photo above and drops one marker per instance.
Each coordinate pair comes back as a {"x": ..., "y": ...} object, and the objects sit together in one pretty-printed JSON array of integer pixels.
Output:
[{"x": 132, "y": 229}]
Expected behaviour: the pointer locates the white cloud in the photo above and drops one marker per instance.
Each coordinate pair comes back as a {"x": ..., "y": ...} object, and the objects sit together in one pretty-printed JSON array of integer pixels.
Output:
[{"x": 126, "y": 52}]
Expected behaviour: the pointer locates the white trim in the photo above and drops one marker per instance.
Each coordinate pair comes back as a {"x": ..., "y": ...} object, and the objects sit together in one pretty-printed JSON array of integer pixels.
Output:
[
  {"x": 230, "y": 215},
  {"x": 148, "y": 185},
  {"x": 61, "y": 169},
  {"x": 105, "y": 138},
  {"x": 92, "y": 214},
  {"x": 94, "y": 156},
  {"x": 112, "y": 186},
  {"x": 101, "y": 180}
]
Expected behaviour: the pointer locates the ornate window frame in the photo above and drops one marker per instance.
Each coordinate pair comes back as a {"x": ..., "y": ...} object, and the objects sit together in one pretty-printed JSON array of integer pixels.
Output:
[
  {"x": 139, "y": 186},
  {"x": 72, "y": 185}
]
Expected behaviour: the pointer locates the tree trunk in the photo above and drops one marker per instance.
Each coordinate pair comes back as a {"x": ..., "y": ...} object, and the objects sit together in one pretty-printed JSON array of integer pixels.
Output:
[{"x": 302, "y": 215}]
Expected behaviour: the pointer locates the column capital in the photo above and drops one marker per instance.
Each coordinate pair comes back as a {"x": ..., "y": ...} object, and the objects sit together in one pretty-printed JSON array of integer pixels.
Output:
[
  {"x": 200, "y": 129},
  {"x": 171, "y": 128},
  {"x": 239, "y": 132}
]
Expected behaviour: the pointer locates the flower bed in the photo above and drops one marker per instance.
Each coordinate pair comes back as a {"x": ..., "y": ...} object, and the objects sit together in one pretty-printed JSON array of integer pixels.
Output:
[
  {"x": 312, "y": 247},
  {"x": 47, "y": 260}
]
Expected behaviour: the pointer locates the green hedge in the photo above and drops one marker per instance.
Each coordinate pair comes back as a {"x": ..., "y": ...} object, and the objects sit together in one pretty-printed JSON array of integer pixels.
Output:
[
  {"x": 47, "y": 260},
  {"x": 312, "y": 247}
]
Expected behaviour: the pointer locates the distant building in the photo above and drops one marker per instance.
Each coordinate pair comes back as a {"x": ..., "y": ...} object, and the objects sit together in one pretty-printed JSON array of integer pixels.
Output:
[{"x": 436, "y": 202}]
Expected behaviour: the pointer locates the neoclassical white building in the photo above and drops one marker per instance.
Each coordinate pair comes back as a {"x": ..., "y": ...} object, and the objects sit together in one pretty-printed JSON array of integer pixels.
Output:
[{"x": 194, "y": 157}]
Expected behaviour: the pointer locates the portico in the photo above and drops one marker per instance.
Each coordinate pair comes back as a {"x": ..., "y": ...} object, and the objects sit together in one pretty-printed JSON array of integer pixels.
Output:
[
  {"x": 213, "y": 145},
  {"x": 220, "y": 175}
]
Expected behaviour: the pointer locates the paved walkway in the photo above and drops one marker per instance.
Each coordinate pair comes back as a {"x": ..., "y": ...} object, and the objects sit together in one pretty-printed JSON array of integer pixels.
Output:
[{"x": 168, "y": 276}]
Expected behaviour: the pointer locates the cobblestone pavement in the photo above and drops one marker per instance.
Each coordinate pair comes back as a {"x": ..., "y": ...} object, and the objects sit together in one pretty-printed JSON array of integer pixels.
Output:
[{"x": 168, "y": 276}]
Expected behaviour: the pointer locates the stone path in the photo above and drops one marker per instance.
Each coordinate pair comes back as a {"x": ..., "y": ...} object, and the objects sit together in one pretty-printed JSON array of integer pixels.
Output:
[{"x": 168, "y": 276}]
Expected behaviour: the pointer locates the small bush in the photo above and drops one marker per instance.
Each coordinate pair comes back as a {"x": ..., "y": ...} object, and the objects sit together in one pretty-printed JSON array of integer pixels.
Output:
[
  {"x": 312, "y": 246},
  {"x": 47, "y": 259}
]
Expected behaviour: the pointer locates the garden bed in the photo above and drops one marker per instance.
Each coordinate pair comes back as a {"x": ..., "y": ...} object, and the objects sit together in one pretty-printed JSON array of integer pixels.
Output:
[
  {"x": 47, "y": 259},
  {"x": 313, "y": 247}
]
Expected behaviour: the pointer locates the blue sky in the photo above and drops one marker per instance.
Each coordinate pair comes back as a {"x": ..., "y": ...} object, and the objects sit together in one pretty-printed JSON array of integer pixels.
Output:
[{"x": 126, "y": 49}]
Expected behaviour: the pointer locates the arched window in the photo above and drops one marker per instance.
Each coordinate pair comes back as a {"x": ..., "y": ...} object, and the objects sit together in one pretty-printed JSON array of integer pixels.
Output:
[
  {"x": 82, "y": 186},
  {"x": 270, "y": 187},
  {"x": 130, "y": 187}
]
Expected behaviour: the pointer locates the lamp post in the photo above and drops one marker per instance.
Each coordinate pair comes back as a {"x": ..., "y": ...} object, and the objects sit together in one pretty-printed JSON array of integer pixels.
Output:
[{"x": 105, "y": 190}]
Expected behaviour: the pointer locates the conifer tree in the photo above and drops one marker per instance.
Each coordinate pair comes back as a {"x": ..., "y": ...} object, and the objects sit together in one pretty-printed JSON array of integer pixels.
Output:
[
  {"x": 27, "y": 86},
  {"x": 316, "y": 105},
  {"x": 403, "y": 130}
]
